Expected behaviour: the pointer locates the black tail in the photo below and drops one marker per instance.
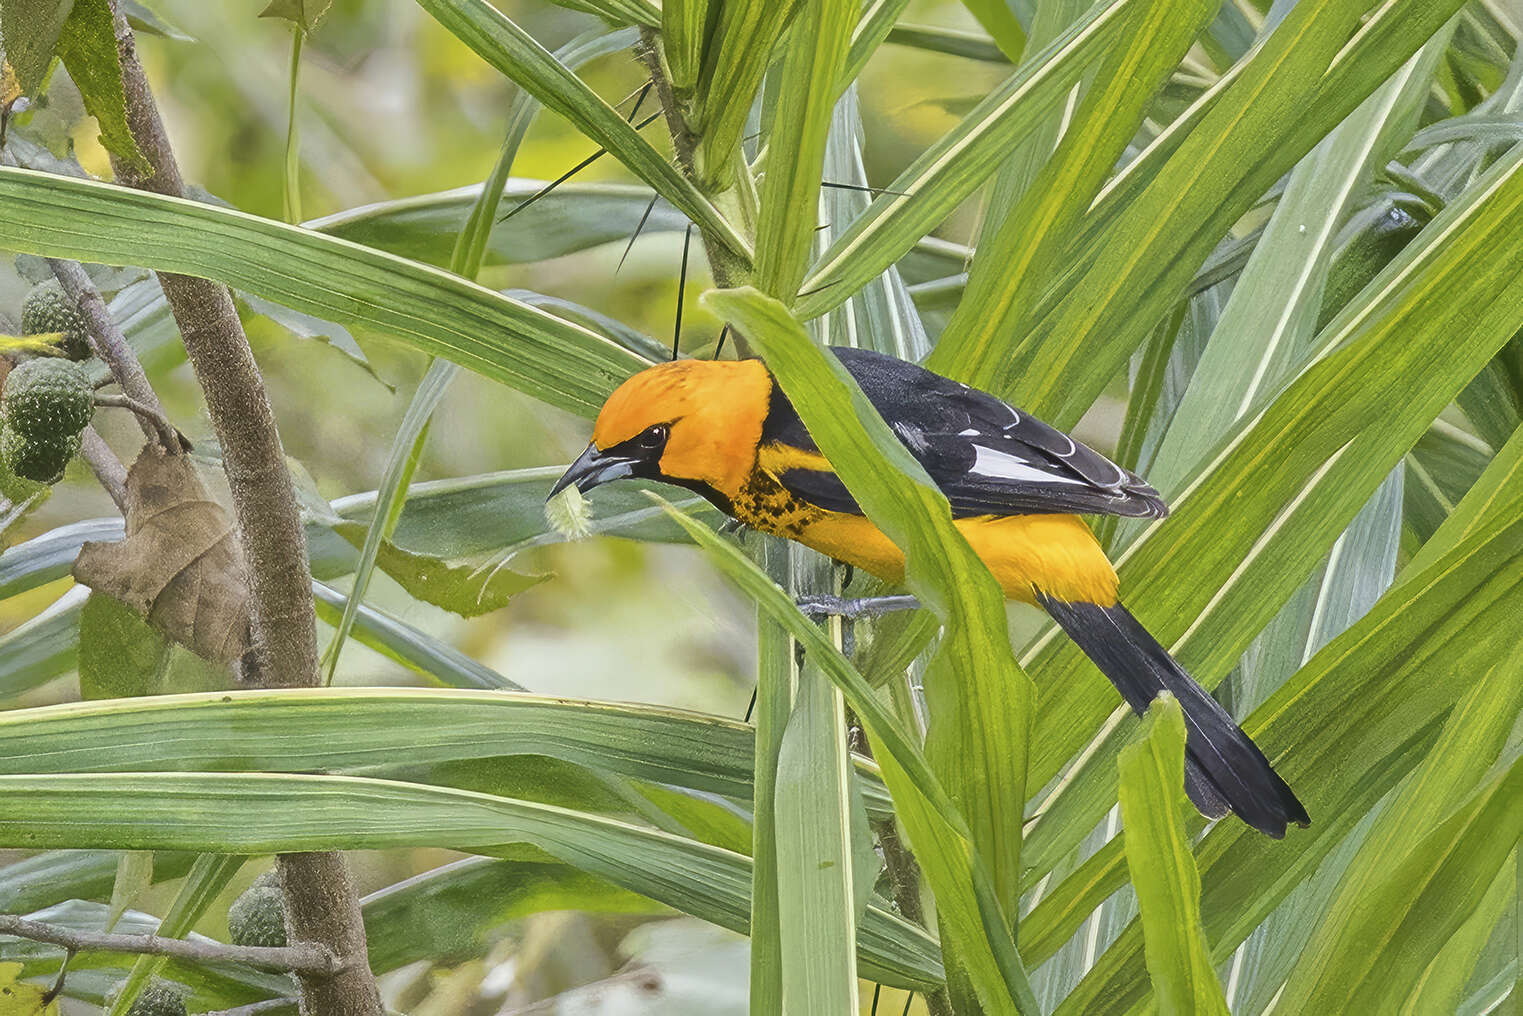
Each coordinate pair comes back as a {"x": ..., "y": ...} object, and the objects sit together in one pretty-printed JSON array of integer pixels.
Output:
[{"x": 1224, "y": 769}]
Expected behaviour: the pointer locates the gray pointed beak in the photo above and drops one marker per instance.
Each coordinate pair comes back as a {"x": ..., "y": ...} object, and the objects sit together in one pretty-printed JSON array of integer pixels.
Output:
[{"x": 593, "y": 467}]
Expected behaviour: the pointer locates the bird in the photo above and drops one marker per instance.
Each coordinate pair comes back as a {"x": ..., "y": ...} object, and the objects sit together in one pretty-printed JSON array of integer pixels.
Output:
[{"x": 1016, "y": 486}]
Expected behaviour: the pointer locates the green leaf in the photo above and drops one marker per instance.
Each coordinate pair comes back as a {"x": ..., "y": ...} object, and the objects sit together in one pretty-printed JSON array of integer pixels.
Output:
[
  {"x": 816, "y": 899},
  {"x": 121, "y": 656},
  {"x": 1251, "y": 526},
  {"x": 882, "y": 315},
  {"x": 265, "y": 813},
  {"x": 46, "y": 879},
  {"x": 380, "y": 731},
  {"x": 1016, "y": 259},
  {"x": 515, "y": 53},
  {"x": 952, "y": 41},
  {"x": 304, "y": 14},
  {"x": 134, "y": 874},
  {"x": 424, "y": 307},
  {"x": 31, "y": 29},
  {"x": 208, "y": 876},
  {"x": 145, "y": 20},
  {"x": 979, "y": 698},
  {"x": 1266, "y": 329},
  {"x": 1163, "y": 870},
  {"x": 776, "y": 678},
  {"x": 1148, "y": 242},
  {"x": 391, "y": 497},
  {"x": 41, "y": 648},
  {"x": 739, "y": 51},
  {"x": 87, "y": 47},
  {"x": 454, "y": 912},
  {"x": 684, "y": 28},
  {"x": 1442, "y": 987},
  {"x": 877, "y": 23},
  {"x": 1446, "y": 874},
  {"x": 806, "y": 95},
  {"x": 574, "y": 217},
  {"x": 1000, "y": 22},
  {"x": 467, "y": 588},
  {"x": 1421, "y": 646},
  {"x": 953, "y": 168},
  {"x": 618, "y": 12},
  {"x": 1333, "y": 972},
  {"x": 973, "y": 928},
  {"x": 425, "y": 655}
]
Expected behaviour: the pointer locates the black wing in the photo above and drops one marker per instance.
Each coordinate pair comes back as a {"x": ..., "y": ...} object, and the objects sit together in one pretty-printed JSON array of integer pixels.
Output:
[{"x": 987, "y": 457}]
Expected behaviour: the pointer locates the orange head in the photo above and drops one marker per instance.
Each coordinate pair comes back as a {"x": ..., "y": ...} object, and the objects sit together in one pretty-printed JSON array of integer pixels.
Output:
[{"x": 691, "y": 422}]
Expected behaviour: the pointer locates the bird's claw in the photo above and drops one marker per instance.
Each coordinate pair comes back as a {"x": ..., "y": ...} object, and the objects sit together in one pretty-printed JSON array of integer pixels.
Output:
[{"x": 864, "y": 606}]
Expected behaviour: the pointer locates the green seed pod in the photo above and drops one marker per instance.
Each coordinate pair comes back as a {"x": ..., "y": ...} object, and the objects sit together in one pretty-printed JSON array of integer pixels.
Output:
[
  {"x": 47, "y": 398},
  {"x": 160, "y": 998},
  {"x": 258, "y": 916},
  {"x": 39, "y": 459},
  {"x": 48, "y": 308}
]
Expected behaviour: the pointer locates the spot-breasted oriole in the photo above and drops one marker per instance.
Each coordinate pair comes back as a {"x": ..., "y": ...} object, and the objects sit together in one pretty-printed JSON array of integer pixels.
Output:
[{"x": 1016, "y": 486}]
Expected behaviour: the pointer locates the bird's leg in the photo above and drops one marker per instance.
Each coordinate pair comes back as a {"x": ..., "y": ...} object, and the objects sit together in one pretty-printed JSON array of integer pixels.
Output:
[{"x": 865, "y": 606}]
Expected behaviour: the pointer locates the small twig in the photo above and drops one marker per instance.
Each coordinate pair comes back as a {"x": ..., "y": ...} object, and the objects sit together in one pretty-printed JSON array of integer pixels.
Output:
[
  {"x": 58, "y": 982},
  {"x": 107, "y": 467},
  {"x": 865, "y": 606},
  {"x": 108, "y": 343},
  {"x": 301, "y": 958},
  {"x": 169, "y": 436}
]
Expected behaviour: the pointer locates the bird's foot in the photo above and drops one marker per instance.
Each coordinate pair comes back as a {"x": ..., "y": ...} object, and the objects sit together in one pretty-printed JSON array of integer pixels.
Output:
[{"x": 865, "y": 606}]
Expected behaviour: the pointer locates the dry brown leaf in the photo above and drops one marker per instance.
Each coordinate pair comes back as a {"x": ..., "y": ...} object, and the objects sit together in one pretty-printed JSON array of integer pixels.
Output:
[{"x": 180, "y": 565}]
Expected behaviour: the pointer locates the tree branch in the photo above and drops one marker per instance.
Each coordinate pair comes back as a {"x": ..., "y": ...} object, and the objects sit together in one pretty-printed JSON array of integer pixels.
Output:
[
  {"x": 321, "y": 905},
  {"x": 303, "y": 957},
  {"x": 169, "y": 437},
  {"x": 107, "y": 467},
  {"x": 108, "y": 342}
]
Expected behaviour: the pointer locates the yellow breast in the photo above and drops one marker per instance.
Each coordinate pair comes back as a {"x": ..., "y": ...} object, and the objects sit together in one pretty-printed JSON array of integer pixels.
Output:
[{"x": 1053, "y": 554}]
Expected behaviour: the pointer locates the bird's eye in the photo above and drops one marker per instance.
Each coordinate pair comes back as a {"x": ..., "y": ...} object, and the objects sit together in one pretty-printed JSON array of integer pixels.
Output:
[{"x": 653, "y": 437}]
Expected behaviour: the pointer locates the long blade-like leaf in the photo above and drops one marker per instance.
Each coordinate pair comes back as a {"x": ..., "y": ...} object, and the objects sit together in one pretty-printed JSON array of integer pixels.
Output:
[
  {"x": 426, "y": 308},
  {"x": 264, "y": 813},
  {"x": 1163, "y": 871},
  {"x": 790, "y": 191},
  {"x": 1208, "y": 608},
  {"x": 953, "y": 168},
  {"x": 1336, "y": 966},
  {"x": 1016, "y": 259}
]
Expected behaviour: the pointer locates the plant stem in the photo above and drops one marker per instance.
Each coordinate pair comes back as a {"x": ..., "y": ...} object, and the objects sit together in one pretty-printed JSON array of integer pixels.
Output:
[
  {"x": 321, "y": 905},
  {"x": 165, "y": 431},
  {"x": 107, "y": 467},
  {"x": 293, "y": 134},
  {"x": 724, "y": 267},
  {"x": 303, "y": 957}
]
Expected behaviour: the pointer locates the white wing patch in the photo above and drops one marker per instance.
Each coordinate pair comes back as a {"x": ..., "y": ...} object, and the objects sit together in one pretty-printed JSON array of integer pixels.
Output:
[{"x": 1004, "y": 466}]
